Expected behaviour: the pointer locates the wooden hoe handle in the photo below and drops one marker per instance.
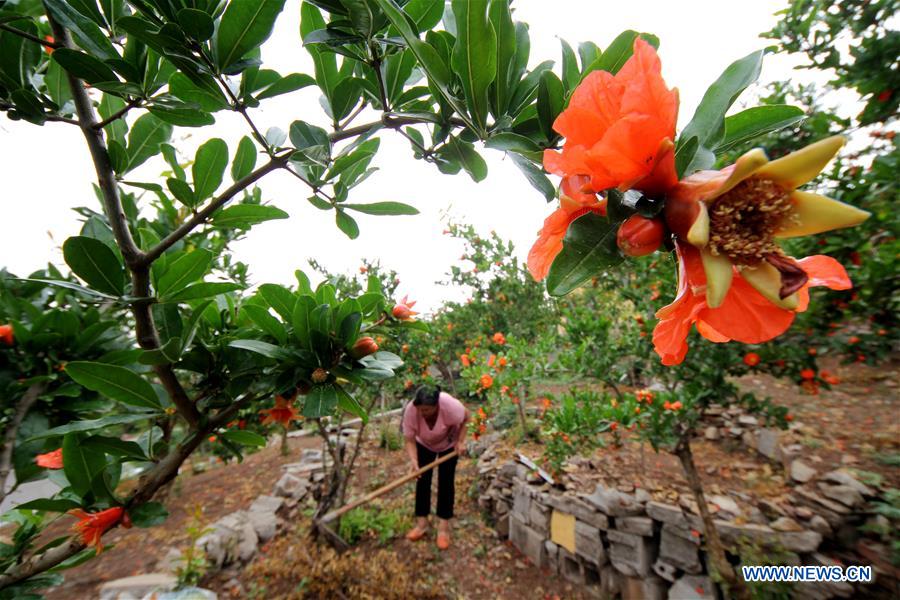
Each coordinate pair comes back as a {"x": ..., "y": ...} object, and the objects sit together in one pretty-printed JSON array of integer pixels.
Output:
[{"x": 385, "y": 488}]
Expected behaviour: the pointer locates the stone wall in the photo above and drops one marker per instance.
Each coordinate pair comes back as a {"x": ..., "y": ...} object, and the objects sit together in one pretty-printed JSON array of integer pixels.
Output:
[{"x": 628, "y": 545}]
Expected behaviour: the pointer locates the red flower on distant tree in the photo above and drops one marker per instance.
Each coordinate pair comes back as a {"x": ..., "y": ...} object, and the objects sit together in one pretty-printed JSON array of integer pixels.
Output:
[{"x": 751, "y": 359}]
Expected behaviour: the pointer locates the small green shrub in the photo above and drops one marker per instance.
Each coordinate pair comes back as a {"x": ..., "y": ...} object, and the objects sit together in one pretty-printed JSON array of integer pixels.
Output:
[
  {"x": 389, "y": 438},
  {"x": 375, "y": 521}
]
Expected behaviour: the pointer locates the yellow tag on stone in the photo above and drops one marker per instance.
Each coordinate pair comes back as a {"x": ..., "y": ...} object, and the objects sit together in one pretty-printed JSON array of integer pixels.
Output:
[{"x": 562, "y": 530}]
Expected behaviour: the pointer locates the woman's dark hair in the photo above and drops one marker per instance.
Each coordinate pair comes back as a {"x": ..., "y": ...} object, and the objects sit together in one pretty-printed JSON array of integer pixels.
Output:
[{"x": 427, "y": 395}]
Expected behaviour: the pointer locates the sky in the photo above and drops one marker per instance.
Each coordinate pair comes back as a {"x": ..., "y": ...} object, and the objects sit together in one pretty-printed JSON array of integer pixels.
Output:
[{"x": 46, "y": 170}]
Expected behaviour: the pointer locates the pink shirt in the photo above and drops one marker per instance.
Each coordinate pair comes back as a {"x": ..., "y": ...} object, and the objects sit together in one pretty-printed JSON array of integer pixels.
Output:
[{"x": 450, "y": 417}]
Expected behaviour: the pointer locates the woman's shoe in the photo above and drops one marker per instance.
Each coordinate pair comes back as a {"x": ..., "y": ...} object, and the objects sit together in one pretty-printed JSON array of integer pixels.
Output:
[
  {"x": 415, "y": 534},
  {"x": 443, "y": 540}
]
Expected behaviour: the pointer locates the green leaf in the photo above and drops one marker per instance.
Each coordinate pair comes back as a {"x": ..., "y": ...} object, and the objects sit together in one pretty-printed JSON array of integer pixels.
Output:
[
  {"x": 182, "y": 115},
  {"x": 321, "y": 401},
  {"x": 285, "y": 85},
  {"x": 145, "y": 138},
  {"x": 59, "y": 505},
  {"x": 209, "y": 167},
  {"x": 94, "y": 425},
  {"x": 425, "y": 14},
  {"x": 115, "y": 447},
  {"x": 361, "y": 16},
  {"x": 244, "y": 159},
  {"x": 389, "y": 359},
  {"x": 83, "y": 66},
  {"x": 588, "y": 248},
  {"x": 245, "y": 25},
  {"x": 303, "y": 136},
  {"x": 148, "y": 514},
  {"x": 759, "y": 120},
  {"x": 382, "y": 208},
  {"x": 474, "y": 57},
  {"x": 80, "y": 464},
  {"x": 196, "y": 23},
  {"x": 350, "y": 326},
  {"x": 571, "y": 74},
  {"x": 57, "y": 83},
  {"x": 535, "y": 176},
  {"x": 505, "y": 31},
  {"x": 117, "y": 383},
  {"x": 209, "y": 97},
  {"x": 244, "y": 438},
  {"x": 432, "y": 64},
  {"x": 188, "y": 268},
  {"x": 245, "y": 215},
  {"x": 347, "y": 224},
  {"x": 182, "y": 191},
  {"x": 86, "y": 32},
  {"x": 619, "y": 51},
  {"x": 684, "y": 154},
  {"x": 263, "y": 348},
  {"x": 269, "y": 324},
  {"x": 551, "y": 100},
  {"x": 202, "y": 289},
  {"x": 280, "y": 299},
  {"x": 708, "y": 123},
  {"x": 95, "y": 263},
  {"x": 300, "y": 319},
  {"x": 465, "y": 155},
  {"x": 348, "y": 403}
]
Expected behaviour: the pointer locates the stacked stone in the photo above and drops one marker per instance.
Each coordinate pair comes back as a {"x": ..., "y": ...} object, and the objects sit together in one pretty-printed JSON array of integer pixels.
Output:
[{"x": 628, "y": 545}]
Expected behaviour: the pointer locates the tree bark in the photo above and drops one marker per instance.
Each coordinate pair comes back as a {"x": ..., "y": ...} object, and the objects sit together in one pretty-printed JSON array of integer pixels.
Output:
[
  {"x": 713, "y": 542},
  {"x": 9, "y": 438}
]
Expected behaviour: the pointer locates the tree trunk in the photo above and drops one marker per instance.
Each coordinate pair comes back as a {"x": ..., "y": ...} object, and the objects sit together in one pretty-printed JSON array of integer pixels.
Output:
[
  {"x": 713, "y": 541},
  {"x": 447, "y": 375},
  {"x": 285, "y": 449}
]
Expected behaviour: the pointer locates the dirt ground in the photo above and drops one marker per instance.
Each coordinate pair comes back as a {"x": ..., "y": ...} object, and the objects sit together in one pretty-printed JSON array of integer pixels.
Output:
[{"x": 852, "y": 425}]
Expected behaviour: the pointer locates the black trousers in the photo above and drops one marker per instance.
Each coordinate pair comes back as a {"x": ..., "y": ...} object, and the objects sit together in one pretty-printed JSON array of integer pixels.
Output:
[{"x": 446, "y": 489}]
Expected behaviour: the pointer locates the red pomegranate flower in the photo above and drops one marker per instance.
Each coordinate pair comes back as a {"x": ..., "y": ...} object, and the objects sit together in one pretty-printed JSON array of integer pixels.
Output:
[
  {"x": 751, "y": 359},
  {"x": 486, "y": 381},
  {"x": 50, "y": 460},
  {"x": 284, "y": 412},
  {"x": 92, "y": 526},
  {"x": 403, "y": 309},
  {"x": 499, "y": 338},
  {"x": 744, "y": 315},
  {"x": 6, "y": 334},
  {"x": 620, "y": 132}
]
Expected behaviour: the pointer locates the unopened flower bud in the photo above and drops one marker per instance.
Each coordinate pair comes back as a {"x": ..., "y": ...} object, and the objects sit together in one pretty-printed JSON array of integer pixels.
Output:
[
  {"x": 639, "y": 236},
  {"x": 364, "y": 346}
]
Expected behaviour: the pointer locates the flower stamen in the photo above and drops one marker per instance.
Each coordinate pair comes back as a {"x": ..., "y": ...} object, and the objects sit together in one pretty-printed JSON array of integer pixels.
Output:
[{"x": 743, "y": 221}]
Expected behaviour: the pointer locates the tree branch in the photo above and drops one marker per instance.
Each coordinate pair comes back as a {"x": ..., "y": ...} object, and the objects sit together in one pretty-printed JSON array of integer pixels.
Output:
[
  {"x": 4, "y": 106},
  {"x": 133, "y": 103},
  {"x": 215, "y": 204},
  {"x": 105, "y": 175},
  {"x": 29, "y": 37},
  {"x": 388, "y": 120},
  {"x": 158, "y": 476},
  {"x": 9, "y": 438},
  {"x": 145, "y": 329}
]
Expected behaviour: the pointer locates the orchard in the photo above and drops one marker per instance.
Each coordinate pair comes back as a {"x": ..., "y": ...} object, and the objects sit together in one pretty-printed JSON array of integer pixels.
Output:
[{"x": 687, "y": 371}]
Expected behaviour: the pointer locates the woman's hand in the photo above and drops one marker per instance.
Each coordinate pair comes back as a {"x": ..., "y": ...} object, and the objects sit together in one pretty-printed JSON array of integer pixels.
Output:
[
  {"x": 461, "y": 448},
  {"x": 413, "y": 466}
]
